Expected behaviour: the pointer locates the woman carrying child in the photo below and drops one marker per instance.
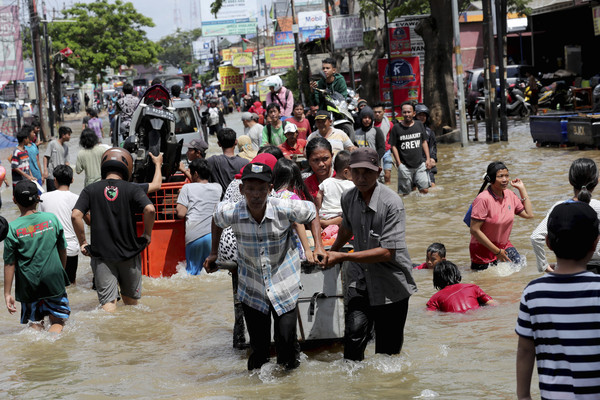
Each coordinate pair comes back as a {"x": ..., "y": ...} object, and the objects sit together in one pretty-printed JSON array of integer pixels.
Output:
[
  {"x": 492, "y": 218},
  {"x": 454, "y": 296}
]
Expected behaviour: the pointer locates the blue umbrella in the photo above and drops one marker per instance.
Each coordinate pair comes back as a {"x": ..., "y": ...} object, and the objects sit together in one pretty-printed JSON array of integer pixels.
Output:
[{"x": 7, "y": 141}]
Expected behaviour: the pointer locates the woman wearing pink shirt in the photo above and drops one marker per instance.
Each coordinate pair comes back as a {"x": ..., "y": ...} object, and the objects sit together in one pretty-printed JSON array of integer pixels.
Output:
[{"x": 492, "y": 218}]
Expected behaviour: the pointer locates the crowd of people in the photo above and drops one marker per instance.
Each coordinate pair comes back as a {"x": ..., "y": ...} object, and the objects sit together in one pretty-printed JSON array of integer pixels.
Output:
[{"x": 253, "y": 204}]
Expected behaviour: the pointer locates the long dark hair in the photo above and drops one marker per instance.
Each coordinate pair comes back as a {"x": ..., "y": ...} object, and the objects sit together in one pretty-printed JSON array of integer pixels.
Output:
[
  {"x": 583, "y": 176},
  {"x": 287, "y": 174},
  {"x": 445, "y": 273},
  {"x": 88, "y": 138},
  {"x": 490, "y": 175},
  {"x": 318, "y": 142}
]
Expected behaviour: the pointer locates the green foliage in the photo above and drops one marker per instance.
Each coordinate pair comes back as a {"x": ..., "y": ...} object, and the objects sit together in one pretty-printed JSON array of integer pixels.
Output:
[
  {"x": 176, "y": 49},
  {"x": 105, "y": 35},
  {"x": 215, "y": 6},
  {"x": 290, "y": 80}
]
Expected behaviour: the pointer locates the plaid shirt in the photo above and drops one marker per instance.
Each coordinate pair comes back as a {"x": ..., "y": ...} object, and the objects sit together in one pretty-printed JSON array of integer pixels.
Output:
[{"x": 268, "y": 261}]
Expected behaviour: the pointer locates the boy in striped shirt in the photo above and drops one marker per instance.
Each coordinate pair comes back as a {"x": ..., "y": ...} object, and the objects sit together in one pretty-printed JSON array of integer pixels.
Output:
[{"x": 559, "y": 315}]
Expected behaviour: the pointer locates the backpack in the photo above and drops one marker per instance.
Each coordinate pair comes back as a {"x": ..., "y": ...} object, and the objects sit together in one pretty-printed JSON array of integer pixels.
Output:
[
  {"x": 213, "y": 116},
  {"x": 283, "y": 124},
  {"x": 287, "y": 96}
]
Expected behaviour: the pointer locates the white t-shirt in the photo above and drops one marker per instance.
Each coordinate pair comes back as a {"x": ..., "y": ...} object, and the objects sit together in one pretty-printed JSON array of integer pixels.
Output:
[
  {"x": 255, "y": 134},
  {"x": 61, "y": 203},
  {"x": 338, "y": 139},
  {"x": 200, "y": 199},
  {"x": 332, "y": 189}
]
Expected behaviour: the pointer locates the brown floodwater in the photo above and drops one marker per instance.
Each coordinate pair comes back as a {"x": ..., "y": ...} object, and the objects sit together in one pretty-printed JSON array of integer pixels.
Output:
[{"x": 177, "y": 342}]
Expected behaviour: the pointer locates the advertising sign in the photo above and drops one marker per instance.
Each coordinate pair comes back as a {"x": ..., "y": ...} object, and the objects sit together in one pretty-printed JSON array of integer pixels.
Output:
[
  {"x": 346, "y": 31},
  {"x": 201, "y": 48},
  {"x": 231, "y": 78},
  {"x": 405, "y": 78},
  {"x": 312, "y": 19},
  {"x": 400, "y": 41},
  {"x": 11, "y": 56},
  {"x": 280, "y": 56},
  {"x": 596, "y": 17},
  {"x": 283, "y": 38},
  {"x": 242, "y": 60},
  {"x": 236, "y": 17},
  {"x": 309, "y": 34},
  {"x": 417, "y": 44}
]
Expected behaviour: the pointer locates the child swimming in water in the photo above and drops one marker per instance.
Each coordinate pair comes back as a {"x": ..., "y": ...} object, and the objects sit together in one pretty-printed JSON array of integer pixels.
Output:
[
  {"x": 435, "y": 253},
  {"x": 454, "y": 296}
]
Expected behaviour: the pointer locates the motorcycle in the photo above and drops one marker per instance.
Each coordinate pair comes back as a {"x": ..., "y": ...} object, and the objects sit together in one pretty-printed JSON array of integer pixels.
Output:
[
  {"x": 338, "y": 106},
  {"x": 153, "y": 131},
  {"x": 516, "y": 105}
]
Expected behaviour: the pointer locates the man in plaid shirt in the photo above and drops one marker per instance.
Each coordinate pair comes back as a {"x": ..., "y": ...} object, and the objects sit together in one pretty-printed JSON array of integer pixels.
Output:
[{"x": 268, "y": 262}]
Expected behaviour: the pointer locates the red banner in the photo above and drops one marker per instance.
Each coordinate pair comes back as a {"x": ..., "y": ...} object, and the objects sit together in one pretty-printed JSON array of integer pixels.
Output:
[
  {"x": 400, "y": 41},
  {"x": 66, "y": 52},
  {"x": 11, "y": 56},
  {"x": 405, "y": 77}
]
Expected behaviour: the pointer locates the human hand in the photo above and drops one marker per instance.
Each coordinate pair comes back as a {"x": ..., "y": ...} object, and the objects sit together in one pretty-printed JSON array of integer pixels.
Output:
[
  {"x": 85, "y": 250},
  {"x": 10, "y": 303},
  {"x": 313, "y": 85},
  {"x": 503, "y": 256},
  {"x": 157, "y": 160},
  {"x": 45, "y": 175},
  {"x": 517, "y": 183},
  {"x": 210, "y": 265},
  {"x": 550, "y": 268},
  {"x": 333, "y": 258},
  {"x": 320, "y": 256},
  {"x": 310, "y": 257},
  {"x": 182, "y": 166},
  {"x": 148, "y": 238}
]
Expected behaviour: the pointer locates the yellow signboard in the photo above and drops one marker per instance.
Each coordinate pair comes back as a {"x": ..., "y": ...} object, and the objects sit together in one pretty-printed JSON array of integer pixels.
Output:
[
  {"x": 228, "y": 53},
  {"x": 596, "y": 18},
  {"x": 280, "y": 56},
  {"x": 231, "y": 78},
  {"x": 242, "y": 60}
]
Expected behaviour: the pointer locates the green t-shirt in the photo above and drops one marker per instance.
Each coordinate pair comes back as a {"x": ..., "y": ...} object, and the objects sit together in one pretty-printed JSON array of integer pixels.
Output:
[
  {"x": 32, "y": 245},
  {"x": 277, "y": 136}
]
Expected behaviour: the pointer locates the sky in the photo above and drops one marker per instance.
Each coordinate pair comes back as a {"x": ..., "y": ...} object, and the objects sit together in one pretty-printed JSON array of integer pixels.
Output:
[{"x": 167, "y": 15}]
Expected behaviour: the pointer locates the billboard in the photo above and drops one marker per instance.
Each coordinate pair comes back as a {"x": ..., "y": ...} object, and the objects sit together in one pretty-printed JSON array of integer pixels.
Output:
[
  {"x": 280, "y": 56},
  {"x": 242, "y": 60},
  {"x": 11, "y": 55},
  {"x": 231, "y": 78},
  {"x": 236, "y": 17},
  {"x": 346, "y": 31},
  {"x": 400, "y": 41},
  {"x": 404, "y": 76},
  {"x": 201, "y": 48}
]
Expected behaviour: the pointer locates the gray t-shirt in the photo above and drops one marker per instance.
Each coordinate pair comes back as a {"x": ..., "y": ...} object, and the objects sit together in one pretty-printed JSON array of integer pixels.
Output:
[
  {"x": 201, "y": 200},
  {"x": 57, "y": 155},
  {"x": 255, "y": 134}
]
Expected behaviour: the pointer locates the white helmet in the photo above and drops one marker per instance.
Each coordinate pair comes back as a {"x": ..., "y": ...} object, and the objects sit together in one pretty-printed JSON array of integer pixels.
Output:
[{"x": 274, "y": 81}]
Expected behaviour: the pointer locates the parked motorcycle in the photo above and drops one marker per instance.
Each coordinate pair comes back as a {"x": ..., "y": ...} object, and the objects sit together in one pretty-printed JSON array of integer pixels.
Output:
[
  {"x": 153, "y": 131},
  {"x": 516, "y": 105}
]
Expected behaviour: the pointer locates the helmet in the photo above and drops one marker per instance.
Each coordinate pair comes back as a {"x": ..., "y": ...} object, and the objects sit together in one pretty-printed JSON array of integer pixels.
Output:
[
  {"x": 274, "y": 81},
  {"x": 421, "y": 108},
  {"x": 117, "y": 159}
]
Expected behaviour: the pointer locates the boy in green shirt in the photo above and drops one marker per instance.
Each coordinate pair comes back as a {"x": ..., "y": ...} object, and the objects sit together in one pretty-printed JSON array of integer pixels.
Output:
[{"x": 35, "y": 252}]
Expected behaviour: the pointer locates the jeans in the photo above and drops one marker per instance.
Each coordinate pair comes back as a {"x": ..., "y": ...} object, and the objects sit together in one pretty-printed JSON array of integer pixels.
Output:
[{"x": 511, "y": 252}]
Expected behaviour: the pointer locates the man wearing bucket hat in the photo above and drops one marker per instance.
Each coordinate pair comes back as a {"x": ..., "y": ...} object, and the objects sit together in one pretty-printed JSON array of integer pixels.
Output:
[
  {"x": 268, "y": 262},
  {"x": 378, "y": 272}
]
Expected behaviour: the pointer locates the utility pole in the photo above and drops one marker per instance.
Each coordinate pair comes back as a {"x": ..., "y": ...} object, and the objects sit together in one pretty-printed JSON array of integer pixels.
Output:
[
  {"x": 491, "y": 112},
  {"x": 459, "y": 76},
  {"x": 258, "y": 49},
  {"x": 295, "y": 30},
  {"x": 48, "y": 80},
  {"x": 389, "y": 55},
  {"x": 37, "y": 59},
  {"x": 501, "y": 34}
]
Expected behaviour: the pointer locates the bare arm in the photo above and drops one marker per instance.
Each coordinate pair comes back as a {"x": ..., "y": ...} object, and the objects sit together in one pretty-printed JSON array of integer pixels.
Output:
[
  {"x": 301, "y": 231},
  {"x": 181, "y": 211},
  {"x": 427, "y": 157},
  {"x": 342, "y": 238},
  {"x": 528, "y": 211},
  {"x": 185, "y": 171},
  {"x": 62, "y": 253},
  {"x": 396, "y": 155},
  {"x": 525, "y": 363},
  {"x": 78, "y": 227},
  {"x": 319, "y": 200},
  {"x": 45, "y": 173},
  {"x": 156, "y": 183},
  {"x": 9, "y": 274},
  {"x": 315, "y": 228},
  {"x": 216, "y": 232},
  {"x": 333, "y": 221},
  {"x": 148, "y": 218}
]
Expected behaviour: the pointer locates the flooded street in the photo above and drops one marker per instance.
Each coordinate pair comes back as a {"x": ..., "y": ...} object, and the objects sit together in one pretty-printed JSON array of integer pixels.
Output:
[{"x": 177, "y": 342}]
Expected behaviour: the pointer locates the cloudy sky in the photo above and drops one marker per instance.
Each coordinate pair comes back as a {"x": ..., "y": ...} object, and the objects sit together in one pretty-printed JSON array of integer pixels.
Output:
[{"x": 166, "y": 14}]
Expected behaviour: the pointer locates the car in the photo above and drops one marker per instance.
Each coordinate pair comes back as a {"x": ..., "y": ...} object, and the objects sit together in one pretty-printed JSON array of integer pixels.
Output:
[
  {"x": 515, "y": 73},
  {"x": 474, "y": 78},
  {"x": 188, "y": 124}
]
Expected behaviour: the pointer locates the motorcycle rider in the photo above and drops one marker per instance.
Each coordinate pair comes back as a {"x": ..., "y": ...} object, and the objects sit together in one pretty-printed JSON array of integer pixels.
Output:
[
  {"x": 279, "y": 95},
  {"x": 332, "y": 80}
]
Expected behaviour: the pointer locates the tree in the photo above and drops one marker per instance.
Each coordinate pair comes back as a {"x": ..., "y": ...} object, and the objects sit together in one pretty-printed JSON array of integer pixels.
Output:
[
  {"x": 176, "y": 49},
  {"x": 437, "y": 33},
  {"x": 104, "y": 35}
]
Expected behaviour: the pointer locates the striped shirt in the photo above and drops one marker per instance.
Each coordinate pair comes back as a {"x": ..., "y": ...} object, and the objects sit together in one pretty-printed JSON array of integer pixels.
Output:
[
  {"x": 19, "y": 160},
  {"x": 268, "y": 261},
  {"x": 561, "y": 314}
]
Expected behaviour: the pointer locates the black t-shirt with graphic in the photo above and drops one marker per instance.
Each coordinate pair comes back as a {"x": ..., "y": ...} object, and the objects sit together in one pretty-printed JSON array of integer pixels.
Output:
[
  {"x": 113, "y": 204},
  {"x": 409, "y": 142}
]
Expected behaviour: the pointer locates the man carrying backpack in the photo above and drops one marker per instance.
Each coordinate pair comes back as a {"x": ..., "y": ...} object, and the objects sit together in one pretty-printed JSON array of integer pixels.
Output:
[
  {"x": 273, "y": 131},
  {"x": 215, "y": 119}
]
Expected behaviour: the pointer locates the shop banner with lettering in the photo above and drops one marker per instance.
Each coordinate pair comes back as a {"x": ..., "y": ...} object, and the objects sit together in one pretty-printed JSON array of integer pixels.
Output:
[
  {"x": 405, "y": 78},
  {"x": 11, "y": 55},
  {"x": 280, "y": 56},
  {"x": 596, "y": 18},
  {"x": 231, "y": 78},
  {"x": 242, "y": 60},
  {"x": 400, "y": 41}
]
